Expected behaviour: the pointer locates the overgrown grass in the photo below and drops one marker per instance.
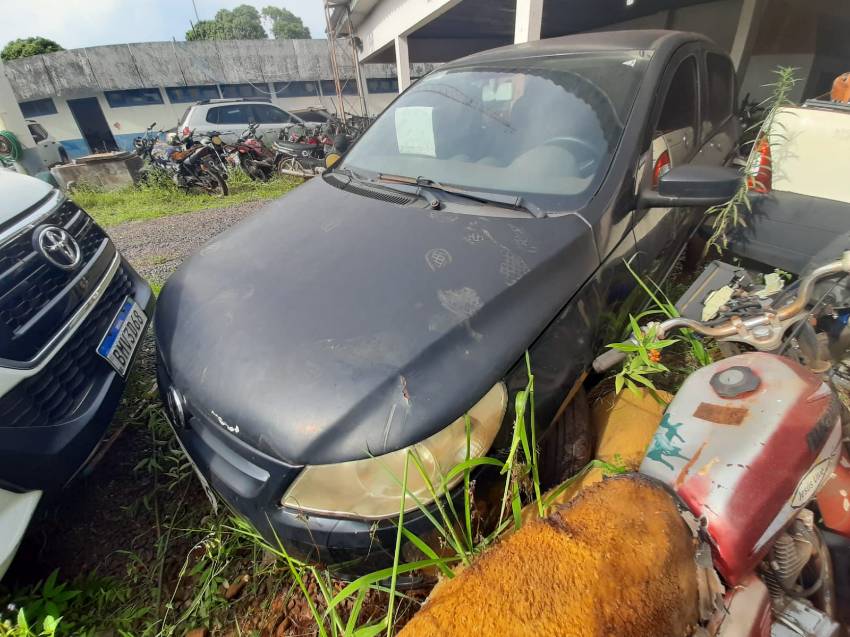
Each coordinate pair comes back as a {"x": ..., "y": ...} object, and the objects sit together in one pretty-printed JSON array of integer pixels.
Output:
[
  {"x": 162, "y": 197},
  {"x": 224, "y": 549}
]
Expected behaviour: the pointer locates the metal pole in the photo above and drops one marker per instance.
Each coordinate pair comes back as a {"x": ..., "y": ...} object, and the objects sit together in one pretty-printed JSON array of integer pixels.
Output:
[
  {"x": 361, "y": 83},
  {"x": 334, "y": 67}
]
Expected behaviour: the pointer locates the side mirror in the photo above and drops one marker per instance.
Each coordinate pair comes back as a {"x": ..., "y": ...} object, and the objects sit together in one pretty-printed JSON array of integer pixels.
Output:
[{"x": 690, "y": 185}]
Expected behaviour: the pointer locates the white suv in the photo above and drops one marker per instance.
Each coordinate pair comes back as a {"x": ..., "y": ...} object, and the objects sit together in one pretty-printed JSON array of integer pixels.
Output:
[{"x": 230, "y": 117}]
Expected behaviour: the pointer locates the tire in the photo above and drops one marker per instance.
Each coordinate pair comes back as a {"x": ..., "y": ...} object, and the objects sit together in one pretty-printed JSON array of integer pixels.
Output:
[
  {"x": 290, "y": 164},
  {"x": 567, "y": 445},
  {"x": 214, "y": 184}
]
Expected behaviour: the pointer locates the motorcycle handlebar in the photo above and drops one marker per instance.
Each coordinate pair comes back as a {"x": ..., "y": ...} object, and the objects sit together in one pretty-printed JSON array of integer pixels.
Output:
[{"x": 731, "y": 327}]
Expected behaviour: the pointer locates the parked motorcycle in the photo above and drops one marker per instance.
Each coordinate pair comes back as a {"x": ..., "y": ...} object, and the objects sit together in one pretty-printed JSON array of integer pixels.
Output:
[
  {"x": 195, "y": 167},
  {"x": 306, "y": 152},
  {"x": 750, "y": 444},
  {"x": 250, "y": 155},
  {"x": 144, "y": 144}
]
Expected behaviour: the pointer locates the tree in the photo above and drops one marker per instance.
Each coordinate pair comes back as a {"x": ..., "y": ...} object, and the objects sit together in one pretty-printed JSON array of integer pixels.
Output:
[
  {"x": 285, "y": 25},
  {"x": 25, "y": 47},
  {"x": 242, "y": 23}
]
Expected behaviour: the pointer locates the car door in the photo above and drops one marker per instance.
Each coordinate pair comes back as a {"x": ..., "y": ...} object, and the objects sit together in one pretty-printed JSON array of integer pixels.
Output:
[
  {"x": 272, "y": 120},
  {"x": 230, "y": 120},
  {"x": 660, "y": 233},
  {"x": 48, "y": 149}
]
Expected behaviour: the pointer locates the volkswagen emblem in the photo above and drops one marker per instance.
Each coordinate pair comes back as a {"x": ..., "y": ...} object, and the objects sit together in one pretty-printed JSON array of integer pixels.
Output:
[{"x": 58, "y": 247}]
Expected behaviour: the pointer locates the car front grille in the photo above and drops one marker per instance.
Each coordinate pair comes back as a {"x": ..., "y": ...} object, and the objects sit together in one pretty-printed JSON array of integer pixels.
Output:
[
  {"x": 27, "y": 282},
  {"x": 56, "y": 391}
]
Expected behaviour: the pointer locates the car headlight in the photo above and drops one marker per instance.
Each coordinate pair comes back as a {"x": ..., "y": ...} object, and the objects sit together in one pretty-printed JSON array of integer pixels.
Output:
[{"x": 371, "y": 488}]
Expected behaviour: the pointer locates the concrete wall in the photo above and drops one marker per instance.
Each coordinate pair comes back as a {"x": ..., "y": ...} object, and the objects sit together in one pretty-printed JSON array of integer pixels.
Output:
[{"x": 88, "y": 72}]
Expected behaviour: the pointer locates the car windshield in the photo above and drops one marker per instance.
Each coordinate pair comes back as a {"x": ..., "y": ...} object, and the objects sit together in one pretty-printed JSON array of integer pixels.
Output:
[{"x": 543, "y": 128}]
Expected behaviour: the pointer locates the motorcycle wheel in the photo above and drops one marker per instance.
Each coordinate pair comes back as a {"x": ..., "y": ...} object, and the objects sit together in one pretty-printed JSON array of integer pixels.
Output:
[
  {"x": 255, "y": 171},
  {"x": 290, "y": 164},
  {"x": 214, "y": 185}
]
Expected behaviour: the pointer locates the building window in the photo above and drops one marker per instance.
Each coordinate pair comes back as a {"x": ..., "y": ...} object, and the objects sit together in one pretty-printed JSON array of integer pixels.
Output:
[
  {"x": 133, "y": 97},
  {"x": 260, "y": 90},
  {"x": 295, "y": 89},
  {"x": 37, "y": 108},
  {"x": 382, "y": 85},
  {"x": 183, "y": 94},
  {"x": 349, "y": 87}
]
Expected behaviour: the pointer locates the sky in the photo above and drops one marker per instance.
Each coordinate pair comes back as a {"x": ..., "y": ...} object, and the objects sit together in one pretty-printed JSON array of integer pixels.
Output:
[{"x": 81, "y": 23}]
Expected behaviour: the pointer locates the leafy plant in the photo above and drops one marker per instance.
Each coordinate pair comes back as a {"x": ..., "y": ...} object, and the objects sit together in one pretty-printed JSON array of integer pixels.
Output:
[
  {"x": 728, "y": 216},
  {"x": 23, "y": 628},
  {"x": 643, "y": 360}
]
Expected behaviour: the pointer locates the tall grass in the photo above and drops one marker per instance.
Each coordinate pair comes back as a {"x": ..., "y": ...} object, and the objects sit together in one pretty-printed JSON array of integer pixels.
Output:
[
  {"x": 453, "y": 526},
  {"x": 161, "y": 197}
]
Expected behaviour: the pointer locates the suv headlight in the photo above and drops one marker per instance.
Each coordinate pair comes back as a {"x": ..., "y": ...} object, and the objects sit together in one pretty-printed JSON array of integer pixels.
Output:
[{"x": 371, "y": 488}]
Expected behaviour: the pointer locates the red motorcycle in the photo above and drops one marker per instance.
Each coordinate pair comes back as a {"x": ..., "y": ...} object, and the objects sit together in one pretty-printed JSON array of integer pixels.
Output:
[
  {"x": 754, "y": 450},
  {"x": 249, "y": 154}
]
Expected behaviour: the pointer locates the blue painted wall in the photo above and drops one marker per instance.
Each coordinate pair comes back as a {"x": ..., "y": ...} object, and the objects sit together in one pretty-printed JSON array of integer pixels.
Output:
[{"x": 79, "y": 147}]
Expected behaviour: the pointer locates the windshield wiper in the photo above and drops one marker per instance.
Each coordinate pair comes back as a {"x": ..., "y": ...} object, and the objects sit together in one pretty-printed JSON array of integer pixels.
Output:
[{"x": 515, "y": 202}]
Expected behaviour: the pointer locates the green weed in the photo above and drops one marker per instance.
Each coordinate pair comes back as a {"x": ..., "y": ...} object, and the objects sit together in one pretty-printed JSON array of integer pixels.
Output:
[{"x": 160, "y": 197}]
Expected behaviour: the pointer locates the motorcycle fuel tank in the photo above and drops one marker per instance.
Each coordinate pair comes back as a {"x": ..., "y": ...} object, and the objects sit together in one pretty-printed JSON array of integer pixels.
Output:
[{"x": 746, "y": 443}]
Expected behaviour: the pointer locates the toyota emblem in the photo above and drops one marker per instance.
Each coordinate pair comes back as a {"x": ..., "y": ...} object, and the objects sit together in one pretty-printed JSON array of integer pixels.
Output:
[{"x": 58, "y": 247}]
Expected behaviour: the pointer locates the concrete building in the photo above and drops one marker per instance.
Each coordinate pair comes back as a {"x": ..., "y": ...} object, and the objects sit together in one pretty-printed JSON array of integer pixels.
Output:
[
  {"x": 100, "y": 98},
  {"x": 759, "y": 34}
]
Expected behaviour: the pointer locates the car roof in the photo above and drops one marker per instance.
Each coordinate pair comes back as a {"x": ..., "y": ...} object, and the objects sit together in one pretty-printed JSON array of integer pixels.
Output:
[{"x": 627, "y": 40}]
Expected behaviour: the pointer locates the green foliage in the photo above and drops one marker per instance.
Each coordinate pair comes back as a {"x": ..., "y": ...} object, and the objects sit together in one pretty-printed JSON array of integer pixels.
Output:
[
  {"x": 25, "y": 47},
  {"x": 285, "y": 25},
  {"x": 241, "y": 23},
  {"x": 160, "y": 197},
  {"x": 644, "y": 349},
  {"x": 731, "y": 215},
  {"x": 22, "y": 627}
]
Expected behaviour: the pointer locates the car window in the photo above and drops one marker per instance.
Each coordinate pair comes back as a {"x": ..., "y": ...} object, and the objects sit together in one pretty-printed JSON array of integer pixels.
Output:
[
  {"x": 545, "y": 128},
  {"x": 673, "y": 139},
  {"x": 679, "y": 112},
  {"x": 720, "y": 91},
  {"x": 231, "y": 114},
  {"x": 38, "y": 133},
  {"x": 268, "y": 114}
]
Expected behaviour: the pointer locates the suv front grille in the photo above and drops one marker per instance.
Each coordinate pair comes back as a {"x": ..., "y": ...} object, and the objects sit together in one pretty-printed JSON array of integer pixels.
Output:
[
  {"x": 36, "y": 297},
  {"x": 57, "y": 390},
  {"x": 27, "y": 281}
]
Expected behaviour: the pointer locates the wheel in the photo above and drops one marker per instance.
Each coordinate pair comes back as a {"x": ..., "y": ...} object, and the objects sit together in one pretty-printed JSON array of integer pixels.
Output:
[
  {"x": 255, "y": 170},
  {"x": 212, "y": 183},
  {"x": 288, "y": 165},
  {"x": 567, "y": 446}
]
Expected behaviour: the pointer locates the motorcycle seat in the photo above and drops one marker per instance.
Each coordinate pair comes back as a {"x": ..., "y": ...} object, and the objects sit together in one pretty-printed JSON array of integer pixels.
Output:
[{"x": 616, "y": 560}]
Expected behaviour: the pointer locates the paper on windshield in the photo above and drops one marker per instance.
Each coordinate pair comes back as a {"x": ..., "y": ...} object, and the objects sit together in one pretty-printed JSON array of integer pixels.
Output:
[{"x": 414, "y": 129}]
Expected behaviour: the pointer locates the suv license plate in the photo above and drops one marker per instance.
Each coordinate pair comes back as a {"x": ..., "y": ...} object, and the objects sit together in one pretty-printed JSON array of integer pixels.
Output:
[{"x": 120, "y": 341}]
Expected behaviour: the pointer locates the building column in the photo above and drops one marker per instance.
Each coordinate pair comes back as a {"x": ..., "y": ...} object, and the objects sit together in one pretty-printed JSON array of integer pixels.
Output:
[
  {"x": 529, "y": 20},
  {"x": 745, "y": 36},
  {"x": 402, "y": 62}
]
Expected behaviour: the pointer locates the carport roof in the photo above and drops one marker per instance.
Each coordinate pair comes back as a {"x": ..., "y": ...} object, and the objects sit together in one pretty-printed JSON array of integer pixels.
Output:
[{"x": 490, "y": 23}]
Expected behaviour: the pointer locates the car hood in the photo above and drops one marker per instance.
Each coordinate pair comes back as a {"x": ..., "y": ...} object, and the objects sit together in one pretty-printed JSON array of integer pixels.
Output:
[
  {"x": 330, "y": 326},
  {"x": 20, "y": 192}
]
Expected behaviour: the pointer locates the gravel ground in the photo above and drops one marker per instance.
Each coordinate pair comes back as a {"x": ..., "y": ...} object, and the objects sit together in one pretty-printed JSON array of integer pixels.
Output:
[{"x": 156, "y": 247}]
